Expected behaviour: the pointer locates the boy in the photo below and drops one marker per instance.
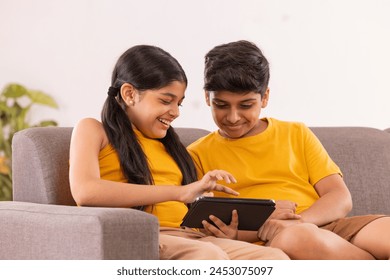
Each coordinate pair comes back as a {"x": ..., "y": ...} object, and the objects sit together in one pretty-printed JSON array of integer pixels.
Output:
[{"x": 279, "y": 160}]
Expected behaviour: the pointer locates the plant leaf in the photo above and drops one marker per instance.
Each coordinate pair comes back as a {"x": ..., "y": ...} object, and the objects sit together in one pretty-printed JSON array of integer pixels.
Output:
[
  {"x": 4, "y": 107},
  {"x": 14, "y": 91},
  {"x": 20, "y": 119},
  {"x": 5, "y": 187},
  {"x": 47, "y": 123},
  {"x": 39, "y": 97}
]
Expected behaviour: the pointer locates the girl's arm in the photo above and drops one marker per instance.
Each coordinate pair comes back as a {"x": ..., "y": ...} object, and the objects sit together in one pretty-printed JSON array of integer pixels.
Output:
[{"x": 88, "y": 189}]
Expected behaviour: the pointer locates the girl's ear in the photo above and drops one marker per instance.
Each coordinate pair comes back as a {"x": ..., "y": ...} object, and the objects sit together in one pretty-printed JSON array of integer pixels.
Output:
[
  {"x": 207, "y": 96},
  {"x": 128, "y": 93},
  {"x": 265, "y": 98}
]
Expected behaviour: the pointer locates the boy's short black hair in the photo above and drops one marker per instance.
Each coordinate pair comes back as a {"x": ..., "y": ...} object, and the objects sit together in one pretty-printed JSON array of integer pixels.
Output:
[{"x": 237, "y": 67}]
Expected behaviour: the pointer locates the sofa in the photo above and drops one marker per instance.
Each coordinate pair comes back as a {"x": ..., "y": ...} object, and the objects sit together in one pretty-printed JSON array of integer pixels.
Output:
[{"x": 43, "y": 221}]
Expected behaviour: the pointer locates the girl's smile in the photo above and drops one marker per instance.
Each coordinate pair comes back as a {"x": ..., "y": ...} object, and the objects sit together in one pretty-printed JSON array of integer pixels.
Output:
[{"x": 153, "y": 111}]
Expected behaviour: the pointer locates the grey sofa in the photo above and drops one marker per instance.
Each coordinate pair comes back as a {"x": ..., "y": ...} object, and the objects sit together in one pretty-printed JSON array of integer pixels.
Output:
[{"x": 43, "y": 222}]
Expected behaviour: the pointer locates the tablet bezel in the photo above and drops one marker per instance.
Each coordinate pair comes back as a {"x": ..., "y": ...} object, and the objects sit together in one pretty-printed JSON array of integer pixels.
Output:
[{"x": 222, "y": 208}]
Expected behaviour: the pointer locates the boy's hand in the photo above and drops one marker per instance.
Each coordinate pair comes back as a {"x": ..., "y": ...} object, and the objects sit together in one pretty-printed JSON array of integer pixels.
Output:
[
  {"x": 286, "y": 204},
  {"x": 285, "y": 210},
  {"x": 222, "y": 230},
  {"x": 283, "y": 216},
  {"x": 272, "y": 227}
]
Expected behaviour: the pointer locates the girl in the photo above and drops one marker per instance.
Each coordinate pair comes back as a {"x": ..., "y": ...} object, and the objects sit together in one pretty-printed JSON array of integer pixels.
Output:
[{"x": 133, "y": 157}]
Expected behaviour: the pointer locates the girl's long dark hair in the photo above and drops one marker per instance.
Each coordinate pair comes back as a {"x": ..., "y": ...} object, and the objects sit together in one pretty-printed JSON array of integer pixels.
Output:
[{"x": 145, "y": 67}]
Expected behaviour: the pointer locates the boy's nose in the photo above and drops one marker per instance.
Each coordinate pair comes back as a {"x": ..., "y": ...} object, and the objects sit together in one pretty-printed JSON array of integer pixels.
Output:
[{"x": 233, "y": 116}]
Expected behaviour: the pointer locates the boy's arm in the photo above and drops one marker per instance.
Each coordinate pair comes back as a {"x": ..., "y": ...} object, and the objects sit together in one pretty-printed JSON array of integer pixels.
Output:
[
  {"x": 334, "y": 198},
  {"x": 335, "y": 201}
]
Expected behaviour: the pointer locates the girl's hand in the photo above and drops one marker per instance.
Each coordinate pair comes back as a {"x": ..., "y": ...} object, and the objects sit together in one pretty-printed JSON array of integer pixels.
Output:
[
  {"x": 220, "y": 229},
  {"x": 207, "y": 184}
]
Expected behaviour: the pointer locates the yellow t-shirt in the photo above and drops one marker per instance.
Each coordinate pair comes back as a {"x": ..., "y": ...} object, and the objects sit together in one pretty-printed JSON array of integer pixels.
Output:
[
  {"x": 164, "y": 172},
  {"x": 281, "y": 163}
]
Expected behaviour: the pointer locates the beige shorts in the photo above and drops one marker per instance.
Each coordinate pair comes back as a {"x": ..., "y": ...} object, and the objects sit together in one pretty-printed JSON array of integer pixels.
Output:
[
  {"x": 348, "y": 227},
  {"x": 188, "y": 244}
]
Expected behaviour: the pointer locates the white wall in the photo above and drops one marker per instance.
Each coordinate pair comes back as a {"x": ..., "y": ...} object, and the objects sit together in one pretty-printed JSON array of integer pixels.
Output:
[{"x": 329, "y": 59}]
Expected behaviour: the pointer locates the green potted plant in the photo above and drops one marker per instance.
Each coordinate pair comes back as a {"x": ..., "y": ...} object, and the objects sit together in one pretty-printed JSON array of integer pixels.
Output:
[{"x": 15, "y": 104}]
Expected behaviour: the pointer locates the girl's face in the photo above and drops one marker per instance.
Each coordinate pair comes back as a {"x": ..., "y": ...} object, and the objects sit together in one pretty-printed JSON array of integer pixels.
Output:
[
  {"x": 153, "y": 111},
  {"x": 237, "y": 115}
]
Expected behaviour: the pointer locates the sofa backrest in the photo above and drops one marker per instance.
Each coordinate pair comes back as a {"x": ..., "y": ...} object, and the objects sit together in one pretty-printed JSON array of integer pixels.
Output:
[
  {"x": 40, "y": 163},
  {"x": 41, "y": 156},
  {"x": 363, "y": 154}
]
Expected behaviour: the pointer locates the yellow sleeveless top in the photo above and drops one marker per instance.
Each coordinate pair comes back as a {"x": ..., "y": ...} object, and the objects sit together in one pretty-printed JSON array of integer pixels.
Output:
[{"x": 164, "y": 171}]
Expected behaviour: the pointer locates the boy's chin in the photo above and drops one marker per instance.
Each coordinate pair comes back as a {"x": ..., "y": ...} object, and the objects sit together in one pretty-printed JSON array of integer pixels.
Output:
[{"x": 231, "y": 135}]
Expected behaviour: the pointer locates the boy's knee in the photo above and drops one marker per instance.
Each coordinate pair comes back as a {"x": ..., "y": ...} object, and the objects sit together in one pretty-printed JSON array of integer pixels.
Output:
[
  {"x": 296, "y": 237},
  {"x": 276, "y": 254}
]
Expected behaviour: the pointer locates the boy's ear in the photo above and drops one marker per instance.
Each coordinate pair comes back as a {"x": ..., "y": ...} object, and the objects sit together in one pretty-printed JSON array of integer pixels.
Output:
[
  {"x": 128, "y": 93},
  {"x": 207, "y": 96},
  {"x": 265, "y": 98}
]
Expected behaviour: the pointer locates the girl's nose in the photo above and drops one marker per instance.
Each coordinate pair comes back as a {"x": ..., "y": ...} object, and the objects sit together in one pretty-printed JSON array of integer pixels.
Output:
[{"x": 174, "y": 111}]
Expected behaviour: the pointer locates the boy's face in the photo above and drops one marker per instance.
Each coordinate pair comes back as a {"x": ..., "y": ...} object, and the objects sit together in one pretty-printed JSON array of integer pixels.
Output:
[{"x": 237, "y": 114}]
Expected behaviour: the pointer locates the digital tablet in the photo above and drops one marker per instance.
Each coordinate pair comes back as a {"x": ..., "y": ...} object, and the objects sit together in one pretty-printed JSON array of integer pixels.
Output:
[{"x": 252, "y": 213}]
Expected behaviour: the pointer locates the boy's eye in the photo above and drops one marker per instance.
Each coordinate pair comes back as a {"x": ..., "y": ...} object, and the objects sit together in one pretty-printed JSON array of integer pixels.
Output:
[
  {"x": 246, "y": 106},
  {"x": 165, "y": 102},
  {"x": 219, "y": 105}
]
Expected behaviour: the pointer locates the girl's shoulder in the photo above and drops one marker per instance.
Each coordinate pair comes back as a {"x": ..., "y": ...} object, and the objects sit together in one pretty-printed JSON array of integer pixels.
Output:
[
  {"x": 91, "y": 128},
  {"x": 89, "y": 123}
]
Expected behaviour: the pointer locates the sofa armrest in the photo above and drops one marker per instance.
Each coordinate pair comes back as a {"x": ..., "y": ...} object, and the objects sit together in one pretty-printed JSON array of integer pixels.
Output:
[{"x": 40, "y": 231}]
